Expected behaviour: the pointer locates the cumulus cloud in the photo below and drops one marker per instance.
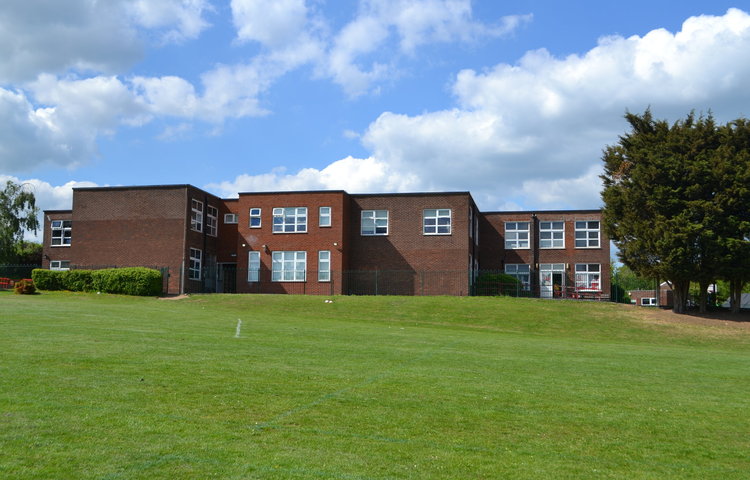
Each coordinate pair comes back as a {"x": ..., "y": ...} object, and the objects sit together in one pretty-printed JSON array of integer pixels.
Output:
[{"x": 175, "y": 20}]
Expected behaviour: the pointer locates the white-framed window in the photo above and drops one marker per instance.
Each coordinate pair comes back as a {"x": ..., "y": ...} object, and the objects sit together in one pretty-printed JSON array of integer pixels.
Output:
[
  {"x": 648, "y": 301},
  {"x": 324, "y": 266},
  {"x": 230, "y": 218},
  {"x": 61, "y": 233},
  {"x": 253, "y": 266},
  {"x": 288, "y": 266},
  {"x": 588, "y": 276},
  {"x": 516, "y": 235},
  {"x": 196, "y": 257},
  {"x": 587, "y": 234},
  {"x": 521, "y": 271},
  {"x": 324, "y": 216},
  {"x": 212, "y": 220},
  {"x": 290, "y": 220},
  {"x": 255, "y": 217},
  {"x": 436, "y": 221},
  {"x": 374, "y": 222},
  {"x": 196, "y": 216},
  {"x": 551, "y": 234},
  {"x": 59, "y": 265}
]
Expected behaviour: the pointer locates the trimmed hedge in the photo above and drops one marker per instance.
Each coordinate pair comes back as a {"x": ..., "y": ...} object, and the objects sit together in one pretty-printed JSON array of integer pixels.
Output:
[
  {"x": 127, "y": 281},
  {"x": 493, "y": 284}
]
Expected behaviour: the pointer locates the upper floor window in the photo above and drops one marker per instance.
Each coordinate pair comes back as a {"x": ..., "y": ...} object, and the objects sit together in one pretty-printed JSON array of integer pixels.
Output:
[
  {"x": 212, "y": 220},
  {"x": 587, "y": 234},
  {"x": 551, "y": 234},
  {"x": 516, "y": 235},
  {"x": 436, "y": 221},
  {"x": 59, "y": 265},
  {"x": 374, "y": 222},
  {"x": 290, "y": 220},
  {"x": 288, "y": 266},
  {"x": 325, "y": 216},
  {"x": 231, "y": 218},
  {"x": 61, "y": 233},
  {"x": 255, "y": 218},
  {"x": 196, "y": 217},
  {"x": 587, "y": 276}
]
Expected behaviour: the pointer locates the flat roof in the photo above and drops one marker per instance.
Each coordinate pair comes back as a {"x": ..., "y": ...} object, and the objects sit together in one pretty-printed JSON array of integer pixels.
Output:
[
  {"x": 532, "y": 212},
  {"x": 290, "y": 192}
]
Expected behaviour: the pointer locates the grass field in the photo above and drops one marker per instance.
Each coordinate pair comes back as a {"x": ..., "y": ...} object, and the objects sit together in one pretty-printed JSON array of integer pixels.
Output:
[{"x": 111, "y": 387}]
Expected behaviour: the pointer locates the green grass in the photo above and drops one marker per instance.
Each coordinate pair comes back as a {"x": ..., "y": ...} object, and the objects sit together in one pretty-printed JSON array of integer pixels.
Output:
[{"x": 112, "y": 387}]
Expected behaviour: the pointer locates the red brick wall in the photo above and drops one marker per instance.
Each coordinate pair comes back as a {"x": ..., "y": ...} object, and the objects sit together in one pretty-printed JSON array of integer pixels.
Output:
[{"x": 58, "y": 252}]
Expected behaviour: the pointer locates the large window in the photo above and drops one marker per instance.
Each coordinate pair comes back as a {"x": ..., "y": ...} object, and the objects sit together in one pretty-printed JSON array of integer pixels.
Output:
[
  {"x": 230, "y": 218},
  {"x": 59, "y": 265},
  {"x": 325, "y": 216},
  {"x": 436, "y": 221},
  {"x": 521, "y": 272},
  {"x": 253, "y": 266},
  {"x": 196, "y": 217},
  {"x": 374, "y": 222},
  {"x": 648, "y": 301},
  {"x": 588, "y": 276},
  {"x": 551, "y": 234},
  {"x": 61, "y": 233},
  {"x": 255, "y": 217},
  {"x": 288, "y": 266},
  {"x": 324, "y": 266},
  {"x": 212, "y": 220},
  {"x": 587, "y": 234},
  {"x": 516, "y": 235},
  {"x": 196, "y": 256},
  {"x": 290, "y": 220}
]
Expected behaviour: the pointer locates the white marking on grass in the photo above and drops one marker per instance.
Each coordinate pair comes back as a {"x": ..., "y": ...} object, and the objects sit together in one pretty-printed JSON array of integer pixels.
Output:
[{"x": 239, "y": 326}]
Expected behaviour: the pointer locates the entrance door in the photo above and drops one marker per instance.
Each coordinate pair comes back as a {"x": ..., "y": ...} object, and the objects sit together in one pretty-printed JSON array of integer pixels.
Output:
[
  {"x": 226, "y": 280},
  {"x": 551, "y": 279}
]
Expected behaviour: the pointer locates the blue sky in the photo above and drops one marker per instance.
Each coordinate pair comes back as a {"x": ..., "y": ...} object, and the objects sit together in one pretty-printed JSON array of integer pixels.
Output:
[{"x": 513, "y": 101}]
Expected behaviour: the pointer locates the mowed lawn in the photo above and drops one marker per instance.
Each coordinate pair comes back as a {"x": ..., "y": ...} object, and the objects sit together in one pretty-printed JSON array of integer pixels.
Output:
[{"x": 113, "y": 387}]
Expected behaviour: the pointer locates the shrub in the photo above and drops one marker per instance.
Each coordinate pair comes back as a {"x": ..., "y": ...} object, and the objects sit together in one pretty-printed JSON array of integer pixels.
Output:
[
  {"x": 492, "y": 284},
  {"x": 128, "y": 281},
  {"x": 48, "y": 279},
  {"x": 78, "y": 281},
  {"x": 24, "y": 287}
]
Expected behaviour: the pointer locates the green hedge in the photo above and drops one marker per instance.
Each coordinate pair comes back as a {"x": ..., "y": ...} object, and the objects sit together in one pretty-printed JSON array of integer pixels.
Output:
[
  {"x": 492, "y": 284},
  {"x": 128, "y": 281}
]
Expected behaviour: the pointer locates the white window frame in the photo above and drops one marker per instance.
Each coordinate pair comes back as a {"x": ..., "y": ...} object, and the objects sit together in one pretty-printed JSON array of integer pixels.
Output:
[
  {"x": 196, "y": 216},
  {"x": 194, "y": 269},
  {"x": 285, "y": 266},
  {"x": 514, "y": 236},
  {"x": 521, "y": 272},
  {"x": 431, "y": 221},
  {"x": 588, "y": 276},
  {"x": 324, "y": 266},
  {"x": 324, "y": 216},
  {"x": 290, "y": 220},
  {"x": 551, "y": 234},
  {"x": 65, "y": 236},
  {"x": 374, "y": 223},
  {"x": 253, "y": 266},
  {"x": 586, "y": 234},
  {"x": 255, "y": 217},
  {"x": 648, "y": 301},
  {"x": 212, "y": 220},
  {"x": 231, "y": 218},
  {"x": 62, "y": 265}
]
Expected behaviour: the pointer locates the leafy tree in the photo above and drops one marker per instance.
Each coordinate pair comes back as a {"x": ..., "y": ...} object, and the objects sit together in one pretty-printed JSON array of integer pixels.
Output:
[
  {"x": 18, "y": 213},
  {"x": 659, "y": 193},
  {"x": 28, "y": 253}
]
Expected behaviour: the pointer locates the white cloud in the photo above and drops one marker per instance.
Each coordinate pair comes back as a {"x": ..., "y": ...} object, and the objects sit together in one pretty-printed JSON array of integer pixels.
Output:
[
  {"x": 275, "y": 24},
  {"x": 177, "y": 19}
]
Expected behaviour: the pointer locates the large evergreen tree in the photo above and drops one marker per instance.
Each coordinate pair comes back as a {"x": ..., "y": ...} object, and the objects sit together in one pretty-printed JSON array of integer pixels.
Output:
[
  {"x": 18, "y": 213},
  {"x": 661, "y": 185}
]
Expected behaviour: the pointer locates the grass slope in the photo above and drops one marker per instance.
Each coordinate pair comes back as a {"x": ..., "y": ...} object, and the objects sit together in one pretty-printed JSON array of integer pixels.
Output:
[{"x": 110, "y": 387}]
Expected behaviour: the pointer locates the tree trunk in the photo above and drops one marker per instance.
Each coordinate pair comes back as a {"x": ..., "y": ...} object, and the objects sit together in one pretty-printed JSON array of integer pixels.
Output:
[
  {"x": 680, "y": 290},
  {"x": 703, "y": 298},
  {"x": 735, "y": 295}
]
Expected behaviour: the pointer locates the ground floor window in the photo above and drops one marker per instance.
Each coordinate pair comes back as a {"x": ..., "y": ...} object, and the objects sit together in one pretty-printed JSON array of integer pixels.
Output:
[
  {"x": 194, "y": 272},
  {"x": 324, "y": 266},
  {"x": 521, "y": 272},
  {"x": 648, "y": 301},
  {"x": 588, "y": 276},
  {"x": 288, "y": 266},
  {"x": 59, "y": 265},
  {"x": 253, "y": 266}
]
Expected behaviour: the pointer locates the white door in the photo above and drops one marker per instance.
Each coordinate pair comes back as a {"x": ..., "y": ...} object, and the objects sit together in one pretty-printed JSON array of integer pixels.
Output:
[{"x": 551, "y": 279}]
